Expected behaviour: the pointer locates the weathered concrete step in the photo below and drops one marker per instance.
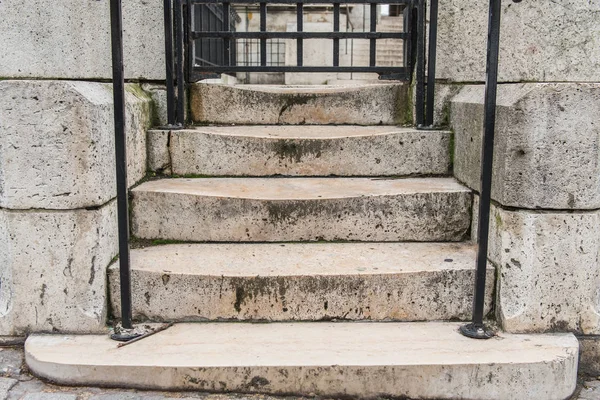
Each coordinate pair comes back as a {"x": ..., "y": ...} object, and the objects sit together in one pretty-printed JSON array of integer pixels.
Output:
[
  {"x": 301, "y": 209},
  {"x": 302, "y": 281},
  {"x": 387, "y": 104},
  {"x": 303, "y": 150},
  {"x": 365, "y": 360}
]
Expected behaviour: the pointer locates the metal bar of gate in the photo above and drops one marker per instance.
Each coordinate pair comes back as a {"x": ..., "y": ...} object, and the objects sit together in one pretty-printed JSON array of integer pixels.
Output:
[
  {"x": 300, "y": 35},
  {"x": 263, "y": 28},
  {"x": 299, "y": 28},
  {"x": 373, "y": 42},
  {"x": 336, "y": 28},
  {"x": 121, "y": 160}
]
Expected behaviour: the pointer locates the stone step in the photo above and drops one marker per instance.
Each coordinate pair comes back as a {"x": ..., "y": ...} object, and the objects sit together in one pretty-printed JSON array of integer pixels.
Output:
[
  {"x": 387, "y": 104},
  {"x": 303, "y": 150},
  {"x": 342, "y": 360},
  {"x": 301, "y": 209},
  {"x": 301, "y": 282}
]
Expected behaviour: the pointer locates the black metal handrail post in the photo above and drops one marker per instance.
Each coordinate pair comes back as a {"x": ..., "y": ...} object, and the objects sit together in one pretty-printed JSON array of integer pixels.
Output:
[
  {"x": 431, "y": 61},
  {"x": 168, "y": 21},
  {"x": 476, "y": 329},
  {"x": 179, "y": 39},
  {"x": 121, "y": 160},
  {"x": 420, "y": 85}
]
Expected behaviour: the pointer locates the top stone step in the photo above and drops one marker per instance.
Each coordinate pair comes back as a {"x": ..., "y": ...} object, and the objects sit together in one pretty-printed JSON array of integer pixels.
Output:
[{"x": 376, "y": 104}]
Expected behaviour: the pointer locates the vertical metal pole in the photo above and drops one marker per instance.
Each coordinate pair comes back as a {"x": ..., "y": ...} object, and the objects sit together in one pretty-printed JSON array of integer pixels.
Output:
[
  {"x": 476, "y": 329},
  {"x": 168, "y": 14},
  {"x": 336, "y": 28},
  {"x": 431, "y": 58},
  {"x": 121, "y": 159},
  {"x": 226, "y": 41},
  {"x": 263, "y": 28},
  {"x": 420, "y": 95},
  {"x": 180, "y": 66},
  {"x": 373, "y": 42},
  {"x": 299, "y": 28}
]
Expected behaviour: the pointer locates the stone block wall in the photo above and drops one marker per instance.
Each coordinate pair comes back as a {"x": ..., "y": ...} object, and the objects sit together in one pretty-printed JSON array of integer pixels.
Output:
[
  {"x": 58, "y": 225},
  {"x": 545, "y": 221}
]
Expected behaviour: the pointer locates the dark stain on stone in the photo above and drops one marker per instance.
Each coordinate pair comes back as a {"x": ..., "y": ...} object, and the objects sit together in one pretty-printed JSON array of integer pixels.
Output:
[
  {"x": 239, "y": 298},
  {"x": 515, "y": 262},
  {"x": 166, "y": 278},
  {"x": 257, "y": 382},
  {"x": 326, "y": 305},
  {"x": 294, "y": 150},
  {"x": 93, "y": 271},
  {"x": 43, "y": 293},
  {"x": 147, "y": 297}
]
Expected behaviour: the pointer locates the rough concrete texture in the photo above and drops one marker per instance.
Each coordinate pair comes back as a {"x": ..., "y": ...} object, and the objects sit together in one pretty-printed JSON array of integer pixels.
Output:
[
  {"x": 544, "y": 40},
  {"x": 364, "y": 360},
  {"x": 53, "y": 269},
  {"x": 303, "y": 151},
  {"x": 301, "y": 209},
  {"x": 548, "y": 270},
  {"x": 289, "y": 105},
  {"x": 71, "y": 39},
  {"x": 57, "y": 143},
  {"x": 590, "y": 391},
  {"x": 355, "y": 281},
  {"x": 159, "y": 155},
  {"x": 547, "y": 145},
  {"x": 589, "y": 355}
]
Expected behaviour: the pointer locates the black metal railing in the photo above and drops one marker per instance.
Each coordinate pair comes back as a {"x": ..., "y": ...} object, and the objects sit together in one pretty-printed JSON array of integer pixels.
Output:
[{"x": 413, "y": 36}]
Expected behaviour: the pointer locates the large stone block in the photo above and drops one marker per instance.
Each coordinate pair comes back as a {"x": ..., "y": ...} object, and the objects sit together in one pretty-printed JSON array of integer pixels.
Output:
[
  {"x": 67, "y": 39},
  {"x": 543, "y": 40},
  {"x": 57, "y": 143},
  {"x": 547, "y": 145},
  {"x": 53, "y": 269},
  {"x": 548, "y": 270}
]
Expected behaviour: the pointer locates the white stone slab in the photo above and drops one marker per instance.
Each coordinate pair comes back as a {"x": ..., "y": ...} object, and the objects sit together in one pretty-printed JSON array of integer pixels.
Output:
[
  {"x": 323, "y": 359},
  {"x": 547, "y": 144},
  {"x": 305, "y": 151},
  {"x": 301, "y": 209},
  {"x": 57, "y": 143},
  {"x": 290, "y": 105},
  {"x": 53, "y": 269},
  {"x": 65, "y": 39},
  {"x": 543, "y": 40},
  {"x": 548, "y": 270},
  {"x": 299, "y": 281}
]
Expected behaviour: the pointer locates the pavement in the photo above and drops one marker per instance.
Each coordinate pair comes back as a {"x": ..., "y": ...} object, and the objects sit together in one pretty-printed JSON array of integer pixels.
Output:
[{"x": 16, "y": 383}]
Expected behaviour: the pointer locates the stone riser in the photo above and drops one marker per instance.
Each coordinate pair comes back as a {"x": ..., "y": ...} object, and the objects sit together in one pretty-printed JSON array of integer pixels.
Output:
[
  {"x": 301, "y": 209},
  {"x": 302, "y": 151},
  {"x": 302, "y": 282},
  {"x": 385, "y": 104}
]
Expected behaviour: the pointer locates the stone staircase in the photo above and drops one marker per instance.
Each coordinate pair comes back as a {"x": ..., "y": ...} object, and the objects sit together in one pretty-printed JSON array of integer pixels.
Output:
[{"x": 272, "y": 221}]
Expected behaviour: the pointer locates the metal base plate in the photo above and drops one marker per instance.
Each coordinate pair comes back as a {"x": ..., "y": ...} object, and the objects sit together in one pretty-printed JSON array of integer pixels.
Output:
[{"x": 476, "y": 331}]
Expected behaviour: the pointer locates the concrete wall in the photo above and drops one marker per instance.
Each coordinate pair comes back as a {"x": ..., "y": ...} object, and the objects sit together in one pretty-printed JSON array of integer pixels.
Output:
[{"x": 545, "y": 220}]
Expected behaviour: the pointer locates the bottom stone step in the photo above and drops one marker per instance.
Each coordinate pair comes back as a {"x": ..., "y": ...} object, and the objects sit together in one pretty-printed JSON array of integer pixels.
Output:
[{"x": 405, "y": 360}]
